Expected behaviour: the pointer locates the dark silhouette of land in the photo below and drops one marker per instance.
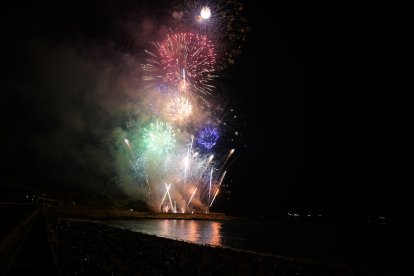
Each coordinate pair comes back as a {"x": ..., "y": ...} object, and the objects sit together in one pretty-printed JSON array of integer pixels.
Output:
[{"x": 65, "y": 240}]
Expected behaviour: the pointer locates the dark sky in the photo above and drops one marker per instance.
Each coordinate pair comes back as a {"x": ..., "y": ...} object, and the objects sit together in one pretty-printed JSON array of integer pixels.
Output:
[
  {"x": 331, "y": 89},
  {"x": 323, "y": 95}
]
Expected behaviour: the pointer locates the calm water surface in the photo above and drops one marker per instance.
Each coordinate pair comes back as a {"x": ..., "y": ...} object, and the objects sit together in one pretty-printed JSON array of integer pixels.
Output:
[
  {"x": 344, "y": 244},
  {"x": 195, "y": 231},
  {"x": 266, "y": 237}
]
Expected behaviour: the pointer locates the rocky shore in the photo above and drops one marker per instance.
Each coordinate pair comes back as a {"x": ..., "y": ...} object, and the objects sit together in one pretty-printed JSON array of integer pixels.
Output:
[{"x": 94, "y": 248}]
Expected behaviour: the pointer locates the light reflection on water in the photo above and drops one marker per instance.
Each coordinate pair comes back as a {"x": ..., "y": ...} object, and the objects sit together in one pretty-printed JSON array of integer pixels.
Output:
[
  {"x": 311, "y": 241},
  {"x": 202, "y": 232}
]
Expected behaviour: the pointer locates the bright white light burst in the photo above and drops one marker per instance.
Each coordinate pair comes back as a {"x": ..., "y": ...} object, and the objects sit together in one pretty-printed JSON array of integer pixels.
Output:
[
  {"x": 205, "y": 12},
  {"x": 178, "y": 109}
]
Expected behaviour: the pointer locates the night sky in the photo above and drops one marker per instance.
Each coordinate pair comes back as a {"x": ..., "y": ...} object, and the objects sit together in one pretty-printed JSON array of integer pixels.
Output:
[{"x": 322, "y": 93}]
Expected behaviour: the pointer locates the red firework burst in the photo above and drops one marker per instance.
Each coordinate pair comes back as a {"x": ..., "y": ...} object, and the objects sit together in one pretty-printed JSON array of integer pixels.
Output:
[{"x": 184, "y": 61}]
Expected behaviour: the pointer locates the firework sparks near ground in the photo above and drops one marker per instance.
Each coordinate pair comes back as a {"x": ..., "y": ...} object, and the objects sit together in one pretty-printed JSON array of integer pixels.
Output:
[
  {"x": 194, "y": 176},
  {"x": 192, "y": 195},
  {"x": 214, "y": 198},
  {"x": 173, "y": 148}
]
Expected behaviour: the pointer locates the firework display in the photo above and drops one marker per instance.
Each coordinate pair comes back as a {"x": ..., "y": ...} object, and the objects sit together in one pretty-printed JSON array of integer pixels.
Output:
[
  {"x": 208, "y": 137},
  {"x": 178, "y": 109},
  {"x": 183, "y": 61},
  {"x": 159, "y": 137},
  {"x": 175, "y": 153},
  {"x": 222, "y": 21}
]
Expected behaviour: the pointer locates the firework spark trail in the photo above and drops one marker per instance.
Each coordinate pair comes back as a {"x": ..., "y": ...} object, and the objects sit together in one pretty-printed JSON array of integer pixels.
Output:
[
  {"x": 209, "y": 187},
  {"x": 210, "y": 158},
  {"x": 187, "y": 159},
  {"x": 227, "y": 158},
  {"x": 213, "y": 198},
  {"x": 130, "y": 150},
  {"x": 184, "y": 81},
  {"x": 167, "y": 187},
  {"x": 169, "y": 196},
  {"x": 221, "y": 179},
  {"x": 128, "y": 144},
  {"x": 201, "y": 166},
  {"x": 204, "y": 166},
  {"x": 188, "y": 204},
  {"x": 149, "y": 189},
  {"x": 186, "y": 165}
]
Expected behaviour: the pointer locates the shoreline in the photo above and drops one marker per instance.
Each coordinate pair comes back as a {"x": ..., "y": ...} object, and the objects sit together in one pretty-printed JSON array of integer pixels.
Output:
[
  {"x": 239, "y": 250},
  {"x": 84, "y": 218},
  {"x": 108, "y": 213},
  {"x": 87, "y": 226},
  {"x": 85, "y": 246}
]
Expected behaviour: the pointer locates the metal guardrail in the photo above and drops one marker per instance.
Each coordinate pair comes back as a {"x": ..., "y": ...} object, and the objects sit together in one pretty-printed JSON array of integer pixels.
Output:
[{"x": 11, "y": 244}]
